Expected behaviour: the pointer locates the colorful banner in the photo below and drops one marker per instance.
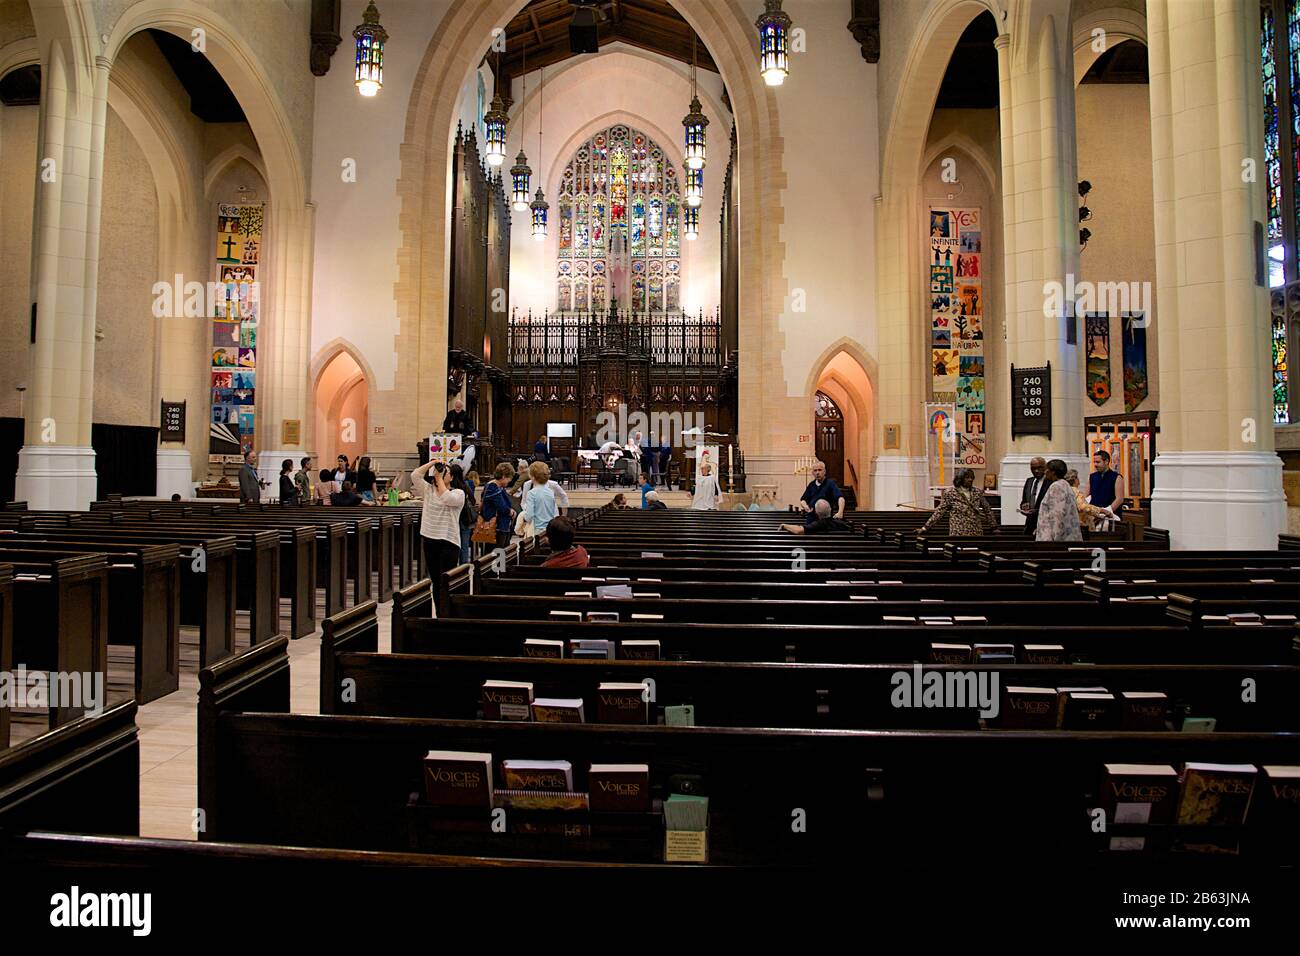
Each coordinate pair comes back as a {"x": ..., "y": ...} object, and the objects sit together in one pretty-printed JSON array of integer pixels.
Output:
[
  {"x": 235, "y": 312},
  {"x": 445, "y": 447},
  {"x": 956, "y": 353},
  {"x": 1098, "y": 341},
  {"x": 1135, "y": 362},
  {"x": 941, "y": 442}
]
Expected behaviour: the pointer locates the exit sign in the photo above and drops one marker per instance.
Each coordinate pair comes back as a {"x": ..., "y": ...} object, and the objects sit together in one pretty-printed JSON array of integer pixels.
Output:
[
  {"x": 379, "y": 429},
  {"x": 803, "y": 438}
]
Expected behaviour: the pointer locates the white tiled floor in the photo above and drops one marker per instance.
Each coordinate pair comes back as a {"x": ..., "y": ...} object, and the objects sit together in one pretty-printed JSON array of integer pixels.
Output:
[{"x": 169, "y": 735}]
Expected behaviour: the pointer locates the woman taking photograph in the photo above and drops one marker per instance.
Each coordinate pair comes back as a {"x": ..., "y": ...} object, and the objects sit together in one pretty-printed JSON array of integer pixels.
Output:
[
  {"x": 440, "y": 519},
  {"x": 967, "y": 510}
]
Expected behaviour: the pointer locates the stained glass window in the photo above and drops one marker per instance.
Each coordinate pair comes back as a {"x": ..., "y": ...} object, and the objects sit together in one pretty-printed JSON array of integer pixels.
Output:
[
  {"x": 620, "y": 224},
  {"x": 1272, "y": 159}
]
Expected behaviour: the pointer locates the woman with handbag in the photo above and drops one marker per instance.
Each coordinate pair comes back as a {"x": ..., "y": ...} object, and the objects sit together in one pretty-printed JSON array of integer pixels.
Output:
[
  {"x": 966, "y": 507},
  {"x": 494, "y": 519}
]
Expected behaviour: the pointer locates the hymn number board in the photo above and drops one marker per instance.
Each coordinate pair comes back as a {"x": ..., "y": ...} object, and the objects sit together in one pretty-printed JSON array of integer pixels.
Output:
[{"x": 1031, "y": 401}]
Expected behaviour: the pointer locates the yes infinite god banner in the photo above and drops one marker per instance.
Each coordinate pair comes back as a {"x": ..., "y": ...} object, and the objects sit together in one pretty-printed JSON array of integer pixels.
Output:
[{"x": 954, "y": 251}]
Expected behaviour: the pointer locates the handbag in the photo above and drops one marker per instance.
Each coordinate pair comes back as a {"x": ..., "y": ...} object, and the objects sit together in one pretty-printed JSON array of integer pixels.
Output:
[{"x": 485, "y": 532}]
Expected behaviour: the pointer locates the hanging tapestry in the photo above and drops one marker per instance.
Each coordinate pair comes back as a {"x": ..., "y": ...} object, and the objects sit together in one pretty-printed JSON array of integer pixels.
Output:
[
  {"x": 235, "y": 310},
  {"x": 954, "y": 256},
  {"x": 1135, "y": 363},
  {"x": 1098, "y": 337}
]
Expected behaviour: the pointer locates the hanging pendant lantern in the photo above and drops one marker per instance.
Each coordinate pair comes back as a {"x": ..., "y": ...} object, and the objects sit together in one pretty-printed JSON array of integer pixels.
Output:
[
  {"x": 695, "y": 121},
  {"x": 521, "y": 174},
  {"x": 370, "y": 37},
  {"x": 495, "y": 121},
  {"x": 694, "y": 186},
  {"x": 539, "y": 207},
  {"x": 691, "y": 215},
  {"x": 774, "y": 44}
]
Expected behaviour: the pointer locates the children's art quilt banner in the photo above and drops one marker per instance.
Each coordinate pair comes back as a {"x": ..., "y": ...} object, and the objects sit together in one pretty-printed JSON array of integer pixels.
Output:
[
  {"x": 235, "y": 313},
  {"x": 956, "y": 267}
]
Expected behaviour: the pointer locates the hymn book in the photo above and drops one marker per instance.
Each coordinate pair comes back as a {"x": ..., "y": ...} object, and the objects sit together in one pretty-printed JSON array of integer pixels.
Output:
[
  {"x": 638, "y": 650},
  {"x": 1028, "y": 708},
  {"x": 621, "y": 703},
  {"x": 552, "y": 775},
  {"x": 623, "y": 787},
  {"x": 558, "y": 710},
  {"x": 456, "y": 778},
  {"x": 506, "y": 699},
  {"x": 1135, "y": 793},
  {"x": 537, "y": 647},
  {"x": 1143, "y": 710}
]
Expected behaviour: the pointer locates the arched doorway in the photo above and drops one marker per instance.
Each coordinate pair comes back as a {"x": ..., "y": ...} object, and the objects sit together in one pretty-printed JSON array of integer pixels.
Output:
[
  {"x": 342, "y": 409},
  {"x": 828, "y": 426}
]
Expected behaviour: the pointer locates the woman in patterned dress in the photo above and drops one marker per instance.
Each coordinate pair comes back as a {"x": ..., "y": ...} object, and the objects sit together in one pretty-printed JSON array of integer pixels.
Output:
[
  {"x": 967, "y": 510},
  {"x": 1058, "y": 512}
]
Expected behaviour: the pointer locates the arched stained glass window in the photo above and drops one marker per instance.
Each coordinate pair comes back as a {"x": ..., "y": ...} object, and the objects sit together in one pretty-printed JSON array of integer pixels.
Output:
[{"x": 620, "y": 223}]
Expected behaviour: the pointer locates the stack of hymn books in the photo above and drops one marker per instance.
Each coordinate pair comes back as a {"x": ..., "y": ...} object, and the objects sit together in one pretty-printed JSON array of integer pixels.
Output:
[
  {"x": 620, "y": 787},
  {"x": 591, "y": 649},
  {"x": 1205, "y": 795},
  {"x": 622, "y": 703},
  {"x": 458, "y": 778},
  {"x": 507, "y": 699},
  {"x": 1083, "y": 708}
]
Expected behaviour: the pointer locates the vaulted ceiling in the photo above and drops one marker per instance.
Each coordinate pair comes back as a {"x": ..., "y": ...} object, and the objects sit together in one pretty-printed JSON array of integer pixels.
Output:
[{"x": 539, "y": 33}]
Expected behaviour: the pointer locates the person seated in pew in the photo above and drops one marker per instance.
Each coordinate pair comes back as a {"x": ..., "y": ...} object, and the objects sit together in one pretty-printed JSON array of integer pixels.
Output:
[
  {"x": 620, "y": 500},
  {"x": 348, "y": 497},
  {"x": 1089, "y": 515},
  {"x": 819, "y": 521},
  {"x": 1058, "y": 512},
  {"x": 176, "y": 496},
  {"x": 564, "y": 553},
  {"x": 966, "y": 507},
  {"x": 652, "y": 502}
]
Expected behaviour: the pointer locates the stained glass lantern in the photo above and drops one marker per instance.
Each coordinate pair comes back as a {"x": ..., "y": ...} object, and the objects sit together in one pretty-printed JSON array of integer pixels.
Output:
[
  {"x": 695, "y": 121},
  {"x": 539, "y": 206},
  {"x": 370, "y": 37},
  {"x": 692, "y": 220},
  {"x": 495, "y": 121},
  {"x": 694, "y": 187},
  {"x": 521, "y": 175},
  {"x": 774, "y": 44}
]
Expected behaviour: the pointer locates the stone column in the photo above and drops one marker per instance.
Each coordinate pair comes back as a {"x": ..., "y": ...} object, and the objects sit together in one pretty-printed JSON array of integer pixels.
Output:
[
  {"x": 1040, "y": 222},
  {"x": 56, "y": 465},
  {"x": 1218, "y": 482}
]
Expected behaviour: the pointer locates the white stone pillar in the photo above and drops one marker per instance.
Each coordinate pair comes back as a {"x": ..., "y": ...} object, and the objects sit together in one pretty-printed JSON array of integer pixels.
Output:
[
  {"x": 1040, "y": 230},
  {"x": 56, "y": 466},
  {"x": 175, "y": 472},
  {"x": 1218, "y": 481}
]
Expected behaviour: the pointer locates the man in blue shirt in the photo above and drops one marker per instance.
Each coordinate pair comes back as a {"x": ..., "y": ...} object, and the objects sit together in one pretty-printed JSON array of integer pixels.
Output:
[{"x": 819, "y": 489}]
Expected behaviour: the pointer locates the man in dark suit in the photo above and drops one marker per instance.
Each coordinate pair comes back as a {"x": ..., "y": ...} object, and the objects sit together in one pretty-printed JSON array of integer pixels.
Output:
[
  {"x": 250, "y": 487},
  {"x": 1032, "y": 493}
]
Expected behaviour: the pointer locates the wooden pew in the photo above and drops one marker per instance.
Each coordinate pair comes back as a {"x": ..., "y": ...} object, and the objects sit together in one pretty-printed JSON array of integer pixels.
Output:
[
  {"x": 61, "y": 618},
  {"x": 83, "y": 776},
  {"x": 1168, "y": 643},
  {"x": 207, "y": 585},
  {"x": 143, "y": 605},
  {"x": 356, "y": 679},
  {"x": 332, "y": 780},
  {"x": 6, "y": 640}
]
